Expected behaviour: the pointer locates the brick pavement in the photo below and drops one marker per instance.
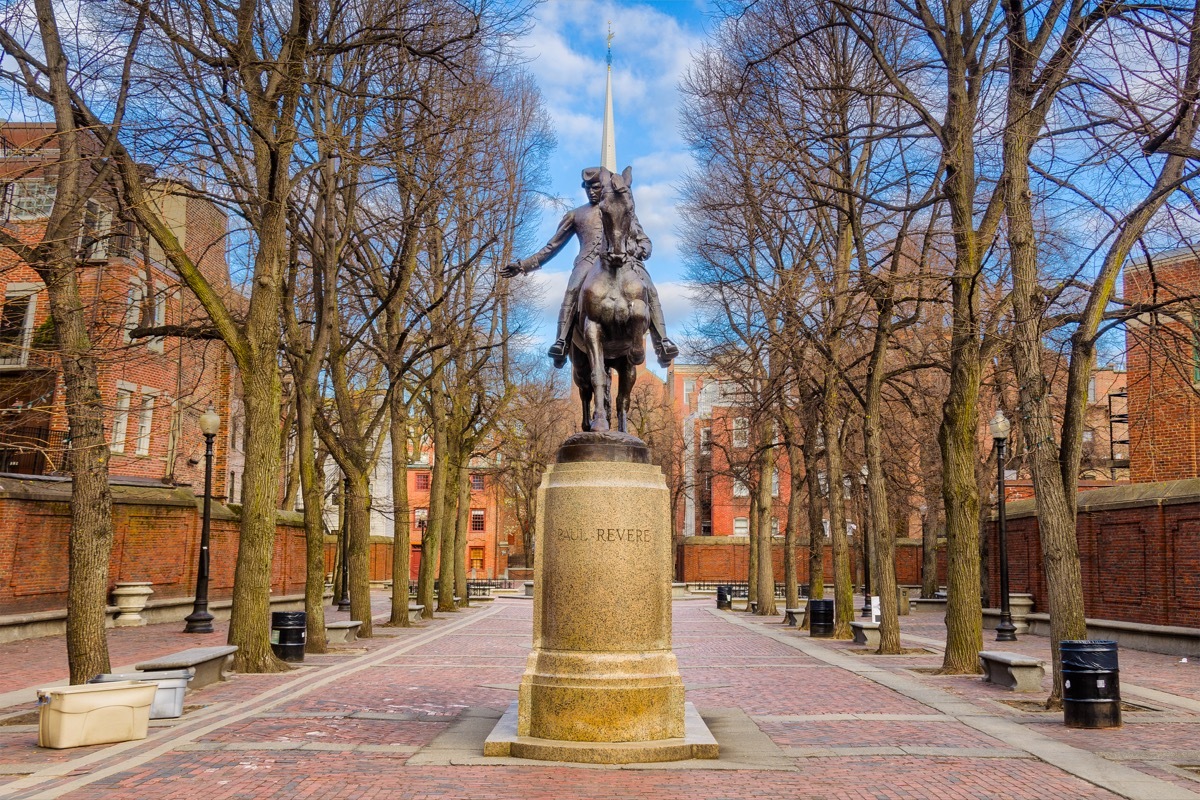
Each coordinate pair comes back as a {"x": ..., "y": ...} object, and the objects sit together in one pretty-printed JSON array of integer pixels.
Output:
[{"x": 840, "y": 724}]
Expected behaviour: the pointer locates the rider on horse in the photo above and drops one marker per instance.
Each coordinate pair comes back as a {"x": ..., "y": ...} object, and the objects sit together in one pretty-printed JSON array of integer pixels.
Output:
[{"x": 585, "y": 224}]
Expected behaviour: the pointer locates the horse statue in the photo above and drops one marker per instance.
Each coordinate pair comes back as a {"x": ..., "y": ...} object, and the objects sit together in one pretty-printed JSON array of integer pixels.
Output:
[{"x": 613, "y": 314}]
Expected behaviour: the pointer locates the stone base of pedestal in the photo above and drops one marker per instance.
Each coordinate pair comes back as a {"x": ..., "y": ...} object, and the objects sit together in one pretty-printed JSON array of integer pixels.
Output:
[{"x": 696, "y": 742}]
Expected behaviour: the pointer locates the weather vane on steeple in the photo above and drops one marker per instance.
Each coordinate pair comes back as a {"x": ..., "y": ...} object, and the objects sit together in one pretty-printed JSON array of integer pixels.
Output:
[{"x": 609, "y": 42}]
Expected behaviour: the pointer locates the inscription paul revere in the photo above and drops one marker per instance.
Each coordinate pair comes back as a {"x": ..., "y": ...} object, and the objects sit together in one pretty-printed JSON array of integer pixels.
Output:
[{"x": 626, "y": 535}]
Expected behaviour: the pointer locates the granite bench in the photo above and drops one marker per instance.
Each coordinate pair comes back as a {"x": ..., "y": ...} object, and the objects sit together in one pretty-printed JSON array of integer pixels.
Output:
[
  {"x": 790, "y": 614},
  {"x": 866, "y": 633},
  {"x": 1012, "y": 670},
  {"x": 414, "y": 612},
  {"x": 210, "y": 663},
  {"x": 342, "y": 631}
]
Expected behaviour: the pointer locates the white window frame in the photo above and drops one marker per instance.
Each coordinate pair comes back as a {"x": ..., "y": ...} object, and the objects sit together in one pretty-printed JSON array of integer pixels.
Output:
[
  {"x": 740, "y": 489},
  {"x": 743, "y": 523},
  {"x": 19, "y": 291},
  {"x": 706, "y": 440},
  {"x": 741, "y": 432},
  {"x": 120, "y": 428},
  {"x": 159, "y": 318},
  {"x": 481, "y": 515},
  {"x": 97, "y": 226},
  {"x": 145, "y": 424},
  {"x": 774, "y": 483},
  {"x": 135, "y": 295},
  {"x": 37, "y": 196}
]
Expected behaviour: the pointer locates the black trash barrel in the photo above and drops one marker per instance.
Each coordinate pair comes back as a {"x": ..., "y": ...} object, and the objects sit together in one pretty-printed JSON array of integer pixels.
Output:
[
  {"x": 1091, "y": 684},
  {"x": 724, "y": 597},
  {"x": 288, "y": 634},
  {"x": 820, "y": 623}
]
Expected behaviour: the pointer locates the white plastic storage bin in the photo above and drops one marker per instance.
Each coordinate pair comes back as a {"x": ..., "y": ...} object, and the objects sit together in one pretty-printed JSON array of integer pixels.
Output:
[
  {"x": 94, "y": 713},
  {"x": 172, "y": 683}
]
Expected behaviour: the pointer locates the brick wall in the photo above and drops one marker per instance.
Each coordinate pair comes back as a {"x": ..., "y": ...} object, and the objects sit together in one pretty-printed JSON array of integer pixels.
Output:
[
  {"x": 1163, "y": 366},
  {"x": 156, "y": 538},
  {"x": 1139, "y": 548},
  {"x": 725, "y": 558}
]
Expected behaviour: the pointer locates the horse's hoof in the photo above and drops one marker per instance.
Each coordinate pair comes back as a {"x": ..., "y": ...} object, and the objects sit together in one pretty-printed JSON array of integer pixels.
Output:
[{"x": 637, "y": 357}]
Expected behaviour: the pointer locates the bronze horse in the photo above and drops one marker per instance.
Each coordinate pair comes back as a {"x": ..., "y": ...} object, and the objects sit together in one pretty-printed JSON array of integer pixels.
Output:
[{"x": 613, "y": 315}]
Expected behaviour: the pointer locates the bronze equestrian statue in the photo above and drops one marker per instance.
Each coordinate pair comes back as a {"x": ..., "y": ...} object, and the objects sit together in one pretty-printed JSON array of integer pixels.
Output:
[{"x": 610, "y": 301}]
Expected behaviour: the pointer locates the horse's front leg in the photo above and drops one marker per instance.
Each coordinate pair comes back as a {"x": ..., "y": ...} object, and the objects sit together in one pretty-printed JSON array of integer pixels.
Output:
[
  {"x": 583, "y": 380},
  {"x": 626, "y": 375},
  {"x": 595, "y": 350}
]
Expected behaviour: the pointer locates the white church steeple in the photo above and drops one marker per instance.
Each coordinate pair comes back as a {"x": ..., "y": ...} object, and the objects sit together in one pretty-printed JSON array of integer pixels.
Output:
[{"x": 608, "y": 144}]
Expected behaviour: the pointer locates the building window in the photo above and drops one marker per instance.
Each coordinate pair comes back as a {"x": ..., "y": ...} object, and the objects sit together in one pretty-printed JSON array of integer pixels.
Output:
[
  {"x": 421, "y": 518},
  {"x": 741, "y": 526},
  {"x": 740, "y": 489},
  {"x": 477, "y": 520},
  {"x": 706, "y": 527},
  {"x": 1092, "y": 389},
  {"x": 476, "y": 482},
  {"x": 120, "y": 426},
  {"x": 96, "y": 231},
  {"x": 1088, "y": 435},
  {"x": 31, "y": 199},
  {"x": 1195, "y": 349},
  {"x": 775, "y": 526},
  {"x": 689, "y": 388},
  {"x": 775, "y": 483},
  {"x": 155, "y": 344},
  {"x": 16, "y": 326},
  {"x": 477, "y": 558},
  {"x": 133, "y": 308},
  {"x": 741, "y": 432},
  {"x": 145, "y": 423},
  {"x": 422, "y": 482},
  {"x": 706, "y": 440}
]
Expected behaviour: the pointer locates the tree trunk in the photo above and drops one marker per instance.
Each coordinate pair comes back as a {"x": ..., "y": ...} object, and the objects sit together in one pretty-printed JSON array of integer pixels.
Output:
[
  {"x": 764, "y": 507},
  {"x": 929, "y": 528},
  {"x": 398, "y": 431},
  {"x": 816, "y": 517},
  {"x": 752, "y": 557},
  {"x": 791, "y": 588},
  {"x": 431, "y": 539},
  {"x": 879, "y": 534},
  {"x": 445, "y": 600},
  {"x": 250, "y": 618},
  {"x": 843, "y": 582},
  {"x": 358, "y": 526},
  {"x": 461, "y": 529},
  {"x": 312, "y": 486}
]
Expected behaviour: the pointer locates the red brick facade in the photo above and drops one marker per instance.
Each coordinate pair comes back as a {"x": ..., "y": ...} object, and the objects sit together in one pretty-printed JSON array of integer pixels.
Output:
[{"x": 1163, "y": 371}]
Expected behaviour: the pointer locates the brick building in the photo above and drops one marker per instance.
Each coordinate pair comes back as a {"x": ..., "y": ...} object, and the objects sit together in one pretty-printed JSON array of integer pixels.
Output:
[
  {"x": 155, "y": 389},
  {"x": 1163, "y": 365}
]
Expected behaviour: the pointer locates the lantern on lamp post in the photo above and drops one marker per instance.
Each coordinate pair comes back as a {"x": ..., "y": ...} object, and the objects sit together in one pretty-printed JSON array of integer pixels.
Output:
[
  {"x": 1000, "y": 428},
  {"x": 200, "y": 620}
]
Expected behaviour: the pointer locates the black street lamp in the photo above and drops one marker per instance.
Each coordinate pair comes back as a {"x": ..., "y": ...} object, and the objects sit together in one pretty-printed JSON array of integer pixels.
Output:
[
  {"x": 1000, "y": 426},
  {"x": 866, "y": 545},
  {"x": 200, "y": 621},
  {"x": 344, "y": 600}
]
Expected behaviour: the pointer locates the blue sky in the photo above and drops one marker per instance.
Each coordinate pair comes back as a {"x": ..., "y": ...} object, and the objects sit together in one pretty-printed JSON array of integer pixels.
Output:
[{"x": 652, "y": 48}]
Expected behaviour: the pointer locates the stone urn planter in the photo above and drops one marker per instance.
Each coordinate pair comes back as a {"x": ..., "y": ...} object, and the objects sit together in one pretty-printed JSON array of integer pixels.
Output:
[{"x": 130, "y": 598}]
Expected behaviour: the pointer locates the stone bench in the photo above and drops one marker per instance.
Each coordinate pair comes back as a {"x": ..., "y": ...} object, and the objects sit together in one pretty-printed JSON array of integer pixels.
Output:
[
  {"x": 343, "y": 631},
  {"x": 210, "y": 663},
  {"x": 866, "y": 633},
  {"x": 790, "y": 615},
  {"x": 414, "y": 612},
  {"x": 1012, "y": 670}
]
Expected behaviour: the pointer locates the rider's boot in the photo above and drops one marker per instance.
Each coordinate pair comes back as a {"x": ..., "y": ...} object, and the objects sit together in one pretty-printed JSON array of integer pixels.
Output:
[
  {"x": 664, "y": 348},
  {"x": 558, "y": 350}
]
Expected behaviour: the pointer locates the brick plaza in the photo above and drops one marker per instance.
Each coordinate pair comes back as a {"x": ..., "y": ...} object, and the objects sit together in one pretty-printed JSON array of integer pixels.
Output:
[{"x": 404, "y": 715}]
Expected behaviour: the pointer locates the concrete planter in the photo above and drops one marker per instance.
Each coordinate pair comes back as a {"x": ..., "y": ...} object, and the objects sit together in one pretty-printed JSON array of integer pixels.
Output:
[{"x": 130, "y": 598}]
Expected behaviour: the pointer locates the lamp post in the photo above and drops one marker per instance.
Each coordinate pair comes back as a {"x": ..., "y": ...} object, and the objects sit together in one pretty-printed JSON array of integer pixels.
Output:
[
  {"x": 866, "y": 544},
  {"x": 200, "y": 621},
  {"x": 344, "y": 600},
  {"x": 1000, "y": 427}
]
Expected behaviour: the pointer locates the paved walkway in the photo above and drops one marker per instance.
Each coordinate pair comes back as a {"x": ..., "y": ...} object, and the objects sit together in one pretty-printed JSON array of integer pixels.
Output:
[{"x": 404, "y": 715}]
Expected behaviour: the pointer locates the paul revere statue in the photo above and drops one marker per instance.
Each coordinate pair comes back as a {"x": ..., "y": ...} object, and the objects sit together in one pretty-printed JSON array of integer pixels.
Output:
[{"x": 584, "y": 224}]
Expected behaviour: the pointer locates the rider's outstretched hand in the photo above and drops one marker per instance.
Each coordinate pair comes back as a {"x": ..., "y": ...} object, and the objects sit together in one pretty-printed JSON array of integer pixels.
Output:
[{"x": 511, "y": 270}]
